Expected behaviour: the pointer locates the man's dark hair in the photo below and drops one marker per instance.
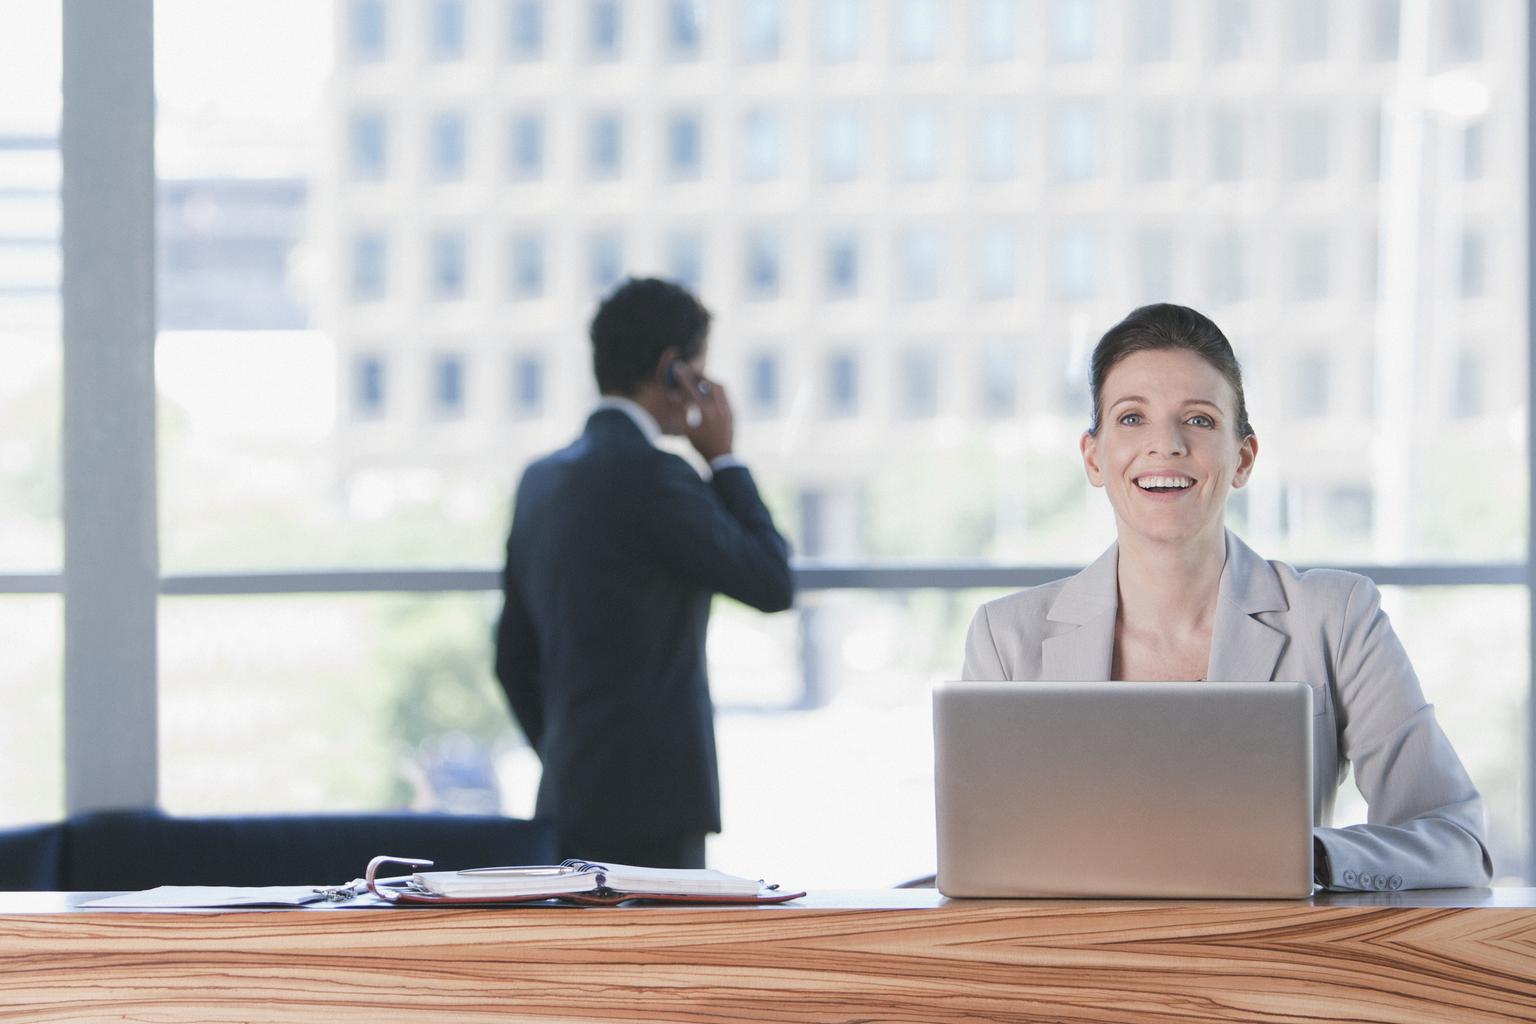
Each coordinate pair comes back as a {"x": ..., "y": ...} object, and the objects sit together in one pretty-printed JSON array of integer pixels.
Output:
[
  {"x": 1166, "y": 326},
  {"x": 636, "y": 323}
]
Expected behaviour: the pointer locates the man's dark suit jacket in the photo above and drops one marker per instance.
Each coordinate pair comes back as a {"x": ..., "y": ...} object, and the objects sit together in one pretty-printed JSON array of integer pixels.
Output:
[{"x": 615, "y": 551}]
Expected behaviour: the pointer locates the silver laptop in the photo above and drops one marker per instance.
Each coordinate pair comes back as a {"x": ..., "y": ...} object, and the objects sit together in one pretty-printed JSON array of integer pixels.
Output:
[{"x": 1124, "y": 789}]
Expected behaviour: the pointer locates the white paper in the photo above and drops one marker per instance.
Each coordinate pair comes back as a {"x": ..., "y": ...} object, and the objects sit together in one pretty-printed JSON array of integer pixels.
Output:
[{"x": 167, "y": 896}]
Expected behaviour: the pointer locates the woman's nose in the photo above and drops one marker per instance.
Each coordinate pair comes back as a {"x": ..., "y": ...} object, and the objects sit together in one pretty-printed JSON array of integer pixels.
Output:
[{"x": 1167, "y": 441}]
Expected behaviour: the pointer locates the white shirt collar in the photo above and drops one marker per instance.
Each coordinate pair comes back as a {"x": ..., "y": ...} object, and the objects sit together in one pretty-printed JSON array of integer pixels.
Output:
[{"x": 635, "y": 411}]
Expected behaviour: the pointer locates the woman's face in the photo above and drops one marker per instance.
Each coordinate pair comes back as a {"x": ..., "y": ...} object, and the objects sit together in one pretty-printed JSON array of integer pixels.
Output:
[{"x": 1167, "y": 450}]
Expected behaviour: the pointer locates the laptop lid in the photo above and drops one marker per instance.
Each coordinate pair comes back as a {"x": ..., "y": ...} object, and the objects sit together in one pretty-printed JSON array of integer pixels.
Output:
[{"x": 1123, "y": 789}]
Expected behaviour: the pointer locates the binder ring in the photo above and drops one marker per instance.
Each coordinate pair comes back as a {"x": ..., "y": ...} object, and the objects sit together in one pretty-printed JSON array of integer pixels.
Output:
[{"x": 370, "y": 878}]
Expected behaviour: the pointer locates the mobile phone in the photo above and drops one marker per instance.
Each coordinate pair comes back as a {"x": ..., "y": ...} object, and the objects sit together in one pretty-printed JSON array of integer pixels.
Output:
[{"x": 673, "y": 380}]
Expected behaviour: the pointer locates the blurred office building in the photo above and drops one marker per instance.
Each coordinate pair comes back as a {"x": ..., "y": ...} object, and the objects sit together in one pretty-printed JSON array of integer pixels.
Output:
[
  {"x": 29, "y": 230},
  {"x": 913, "y": 218}
]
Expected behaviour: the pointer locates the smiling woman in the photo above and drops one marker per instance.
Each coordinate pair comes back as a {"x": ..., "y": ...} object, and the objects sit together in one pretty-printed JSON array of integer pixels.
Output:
[{"x": 1181, "y": 597}]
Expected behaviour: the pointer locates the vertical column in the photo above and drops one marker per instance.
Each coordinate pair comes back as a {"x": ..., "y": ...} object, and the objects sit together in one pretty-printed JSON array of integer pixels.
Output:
[{"x": 111, "y": 560}]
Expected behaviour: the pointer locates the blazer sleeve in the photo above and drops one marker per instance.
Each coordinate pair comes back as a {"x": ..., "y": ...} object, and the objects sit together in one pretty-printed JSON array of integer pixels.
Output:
[
  {"x": 1425, "y": 821},
  {"x": 517, "y": 663},
  {"x": 719, "y": 534}
]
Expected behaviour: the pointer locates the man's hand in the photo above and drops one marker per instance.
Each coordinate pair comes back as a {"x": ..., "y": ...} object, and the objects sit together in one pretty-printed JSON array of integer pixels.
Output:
[{"x": 712, "y": 430}]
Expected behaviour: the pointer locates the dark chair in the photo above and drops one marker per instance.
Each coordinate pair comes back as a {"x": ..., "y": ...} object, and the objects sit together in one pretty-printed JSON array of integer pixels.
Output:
[
  {"x": 32, "y": 858},
  {"x": 123, "y": 850}
]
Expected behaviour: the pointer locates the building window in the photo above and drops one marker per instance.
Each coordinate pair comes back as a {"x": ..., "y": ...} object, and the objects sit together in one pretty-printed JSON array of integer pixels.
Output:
[
  {"x": 1375, "y": 139},
  {"x": 368, "y": 383},
  {"x": 763, "y": 391},
  {"x": 1473, "y": 274},
  {"x": 997, "y": 262},
  {"x": 448, "y": 146},
  {"x": 1227, "y": 146},
  {"x": 764, "y": 253},
  {"x": 839, "y": 30},
  {"x": 368, "y": 145},
  {"x": 525, "y": 260},
  {"x": 762, "y": 145},
  {"x": 1154, "y": 144},
  {"x": 525, "y": 147},
  {"x": 760, "y": 29},
  {"x": 1077, "y": 136},
  {"x": 918, "y": 30},
  {"x": 1307, "y": 139},
  {"x": 995, "y": 30},
  {"x": 1154, "y": 263},
  {"x": 683, "y": 37},
  {"x": 997, "y": 142},
  {"x": 1233, "y": 32},
  {"x": 1468, "y": 400},
  {"x": 1309, "y": 392},
  {"x": 605, "y": 147},
  {"x": 1154, "y": 31},
  {"x": 685, "y": 259},
  {"x": 1075, "y": 30},
  {"x": 918, "y": 259},
  {"x": 1078, "y": 259},
  {"x": 1386, "y": 24},
  {"x": 1226, "y": 268},
  {"x": 369, "y": 30},
  {"x": 1311, "y": 276},
  {"x": 684, "y": 147},
  {"x": 445, "y": 30},
  {"x": 919, "y": 142},
  {"x": 526, "y": 386},
  {"x": 998, "y": 364},
  {"x": 370, "y": 259},
  {"x": 920, "y": 380},
  {"x": 841, "y": 143},
  {"x": 605, "y": 30},
  {"x": 1351, "y": 510},
  {"x": 841, "y": 265},
  {"x": 1463, "y": 29},
  {"x": 1473, "y": 149},
  {"x": 448, "y": 385},
  {"x": 842, "y": 385},
  {"x": 450, "y": 255},
  {"x": 525, "y": 30},
  {"x": 605, "y": 260},
  {"x": 1307, "y": 29}
]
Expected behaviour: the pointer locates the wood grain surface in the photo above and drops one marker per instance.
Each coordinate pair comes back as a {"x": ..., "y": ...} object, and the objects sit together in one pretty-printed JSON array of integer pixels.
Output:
[{"x": 834, "y": 958}]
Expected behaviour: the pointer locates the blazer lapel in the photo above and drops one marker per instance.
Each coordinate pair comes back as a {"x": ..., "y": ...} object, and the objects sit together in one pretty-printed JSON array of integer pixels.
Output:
[
  {"x": 1244, "y": 649},
  {"x": 1085, "y": 613}
]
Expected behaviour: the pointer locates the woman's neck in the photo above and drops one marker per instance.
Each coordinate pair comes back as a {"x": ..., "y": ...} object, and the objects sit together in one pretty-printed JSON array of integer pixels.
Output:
[{"x": 1171, "y": 588}]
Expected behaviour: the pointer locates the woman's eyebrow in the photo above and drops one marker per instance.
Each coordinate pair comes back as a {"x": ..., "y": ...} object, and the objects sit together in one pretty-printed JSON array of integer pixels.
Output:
[{"x": 1127, "y": 398}]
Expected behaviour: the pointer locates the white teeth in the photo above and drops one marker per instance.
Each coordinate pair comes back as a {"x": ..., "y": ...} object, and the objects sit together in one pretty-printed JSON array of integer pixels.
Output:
[{"x": 1149, "y": 482}]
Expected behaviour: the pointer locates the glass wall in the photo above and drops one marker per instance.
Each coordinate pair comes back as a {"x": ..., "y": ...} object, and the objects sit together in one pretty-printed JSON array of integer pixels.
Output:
[
  {"x": 31, "y": 549},
  {"x": 384, "y": 225}
]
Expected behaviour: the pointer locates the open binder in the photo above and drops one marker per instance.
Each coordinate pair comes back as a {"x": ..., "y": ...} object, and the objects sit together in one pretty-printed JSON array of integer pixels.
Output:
[{"x": 584, "y": 883}]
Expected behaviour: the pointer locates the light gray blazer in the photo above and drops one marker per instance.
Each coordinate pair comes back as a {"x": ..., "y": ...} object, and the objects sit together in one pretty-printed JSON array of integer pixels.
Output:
[{"x": 1323, "y": 627}]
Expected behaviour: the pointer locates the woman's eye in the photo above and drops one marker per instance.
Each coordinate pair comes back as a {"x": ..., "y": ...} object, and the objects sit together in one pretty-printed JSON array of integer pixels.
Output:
[
  {"x": 1130, "y": 419},
  {"x": 1201, "y": 421}
]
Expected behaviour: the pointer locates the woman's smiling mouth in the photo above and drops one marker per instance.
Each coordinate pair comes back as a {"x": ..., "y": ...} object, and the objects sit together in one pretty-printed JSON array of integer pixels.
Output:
[{"x": 1164, "y": 483}]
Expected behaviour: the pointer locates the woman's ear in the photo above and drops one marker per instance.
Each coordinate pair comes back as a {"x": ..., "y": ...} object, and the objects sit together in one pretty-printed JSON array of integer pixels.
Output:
[
  {"x": 1247, "y": 452},
  {"x": 1090, "y": 449}
]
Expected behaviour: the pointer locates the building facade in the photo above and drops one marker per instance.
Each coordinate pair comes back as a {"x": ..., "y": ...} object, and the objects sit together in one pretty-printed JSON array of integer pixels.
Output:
[{"x": 912, "y": 219}]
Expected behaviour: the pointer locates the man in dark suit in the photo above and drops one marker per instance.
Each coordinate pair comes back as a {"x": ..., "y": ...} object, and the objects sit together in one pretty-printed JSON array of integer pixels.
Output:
[{"x": 615, "y": 552}]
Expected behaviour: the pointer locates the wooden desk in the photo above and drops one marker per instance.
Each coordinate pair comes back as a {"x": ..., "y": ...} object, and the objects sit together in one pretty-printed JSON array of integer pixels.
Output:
[{"x": 893, "y": 955}]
